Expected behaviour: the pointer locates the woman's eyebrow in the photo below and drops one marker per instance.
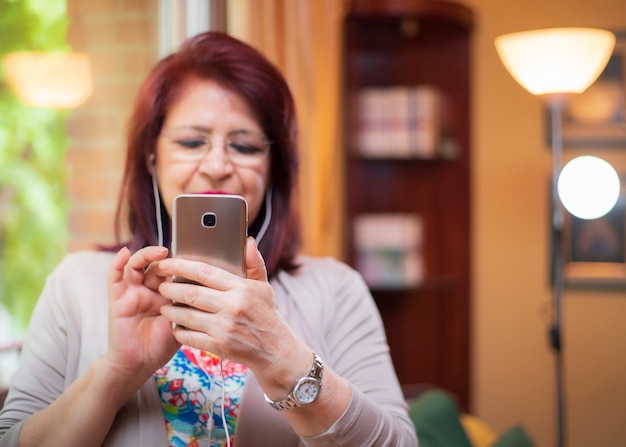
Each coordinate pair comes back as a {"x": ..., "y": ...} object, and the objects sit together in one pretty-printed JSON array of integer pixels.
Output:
[
  {"x": 209, "y": 130},
  {"x": 199, "y": 128}
]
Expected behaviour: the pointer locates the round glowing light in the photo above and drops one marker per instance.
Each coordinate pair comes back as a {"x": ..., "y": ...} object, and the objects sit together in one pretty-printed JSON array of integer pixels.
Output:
[{"x": 588, "y": 187}]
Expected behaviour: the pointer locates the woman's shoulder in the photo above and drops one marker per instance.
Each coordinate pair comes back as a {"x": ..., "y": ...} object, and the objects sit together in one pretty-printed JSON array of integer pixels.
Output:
[
  {"x": 329, "y": 295},
  {"x": 326, "y": 275},
  {"x": 324, "y": 267},
  {"x": 85, "y": 261},
  {"x": 82, "y": 263}
]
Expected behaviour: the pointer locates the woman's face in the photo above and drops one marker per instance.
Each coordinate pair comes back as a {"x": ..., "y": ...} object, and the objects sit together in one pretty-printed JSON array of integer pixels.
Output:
[{"x": 211, "y": 142}]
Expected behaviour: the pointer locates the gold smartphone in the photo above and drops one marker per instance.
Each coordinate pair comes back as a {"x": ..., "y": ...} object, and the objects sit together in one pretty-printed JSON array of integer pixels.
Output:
[{"x": 211, "y": 228}]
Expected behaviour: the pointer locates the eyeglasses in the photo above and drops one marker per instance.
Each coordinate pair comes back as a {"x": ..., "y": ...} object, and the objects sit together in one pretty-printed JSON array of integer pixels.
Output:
[{"x": 243, "y": 148}]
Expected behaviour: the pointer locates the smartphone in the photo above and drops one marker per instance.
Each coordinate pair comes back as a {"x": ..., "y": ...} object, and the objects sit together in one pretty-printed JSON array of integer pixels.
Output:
[{"x": 211, "y": 228}]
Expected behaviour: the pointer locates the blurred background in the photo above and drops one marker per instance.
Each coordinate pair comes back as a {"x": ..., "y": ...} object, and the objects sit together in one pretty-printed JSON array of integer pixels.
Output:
[{"x": 60, "y": 169}]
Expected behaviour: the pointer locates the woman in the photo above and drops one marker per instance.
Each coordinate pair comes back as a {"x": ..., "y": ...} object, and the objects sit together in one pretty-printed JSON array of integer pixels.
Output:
[{"x": 293, "y": 354}]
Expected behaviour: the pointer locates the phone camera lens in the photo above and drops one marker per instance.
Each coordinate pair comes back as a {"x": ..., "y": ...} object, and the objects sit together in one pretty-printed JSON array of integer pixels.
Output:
[{"x": 209, "y": 219}]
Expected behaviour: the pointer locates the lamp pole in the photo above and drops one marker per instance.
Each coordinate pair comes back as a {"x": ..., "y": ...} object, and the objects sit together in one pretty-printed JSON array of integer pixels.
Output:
[{"x": 556, "y": 105}]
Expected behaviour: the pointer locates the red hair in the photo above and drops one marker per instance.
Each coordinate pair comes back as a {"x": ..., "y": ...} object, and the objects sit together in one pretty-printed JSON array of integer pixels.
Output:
[{"x": 240, "y": 68}]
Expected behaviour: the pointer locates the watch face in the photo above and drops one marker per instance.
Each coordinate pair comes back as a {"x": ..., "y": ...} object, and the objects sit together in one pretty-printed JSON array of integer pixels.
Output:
[{"x": 307, "y": 390}]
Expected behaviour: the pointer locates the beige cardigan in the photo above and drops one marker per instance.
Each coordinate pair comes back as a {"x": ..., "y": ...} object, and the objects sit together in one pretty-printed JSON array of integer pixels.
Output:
[{"x": 326, "y": 303}]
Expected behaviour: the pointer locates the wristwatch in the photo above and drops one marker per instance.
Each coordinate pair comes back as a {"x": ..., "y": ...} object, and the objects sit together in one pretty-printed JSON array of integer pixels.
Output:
[{"x": 306, "y": 389}]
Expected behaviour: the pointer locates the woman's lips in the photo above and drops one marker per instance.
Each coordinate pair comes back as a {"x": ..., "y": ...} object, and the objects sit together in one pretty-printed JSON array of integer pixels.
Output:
[{"x": 212, "y": 192}]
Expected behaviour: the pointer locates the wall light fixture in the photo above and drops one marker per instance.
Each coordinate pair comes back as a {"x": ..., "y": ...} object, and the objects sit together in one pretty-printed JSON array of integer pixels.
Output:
[{"x": 51, "y": 80}]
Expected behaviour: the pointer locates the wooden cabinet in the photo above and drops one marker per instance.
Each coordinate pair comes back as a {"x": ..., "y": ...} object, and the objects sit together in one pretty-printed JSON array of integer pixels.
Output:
[{"x": 407, "y": 45}]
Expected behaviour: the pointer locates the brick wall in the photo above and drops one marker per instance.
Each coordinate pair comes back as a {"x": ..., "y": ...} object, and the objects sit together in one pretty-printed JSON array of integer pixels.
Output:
[{"x": 121, "y": 38}]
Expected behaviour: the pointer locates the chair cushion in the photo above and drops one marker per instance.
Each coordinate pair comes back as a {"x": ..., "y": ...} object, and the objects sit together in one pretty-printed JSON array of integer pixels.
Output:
[
  {"x": 436, "y": 418},
  {"x": 515, "y": 436}
]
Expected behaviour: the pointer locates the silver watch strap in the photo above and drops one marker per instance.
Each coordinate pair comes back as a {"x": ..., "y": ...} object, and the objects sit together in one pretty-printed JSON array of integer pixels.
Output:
[{"x": 316, "y": 373}]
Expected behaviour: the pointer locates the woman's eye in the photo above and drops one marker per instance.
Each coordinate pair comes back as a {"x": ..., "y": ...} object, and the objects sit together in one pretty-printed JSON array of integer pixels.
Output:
[
  {"x": 191, "y": 144},
  {"x": 245, "y": 148}
]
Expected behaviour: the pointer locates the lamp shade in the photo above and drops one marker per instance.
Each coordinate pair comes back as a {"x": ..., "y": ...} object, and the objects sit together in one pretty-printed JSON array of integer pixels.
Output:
[
  {"x": 55, "y": 80},
  {"x": 556, "y": 60}
]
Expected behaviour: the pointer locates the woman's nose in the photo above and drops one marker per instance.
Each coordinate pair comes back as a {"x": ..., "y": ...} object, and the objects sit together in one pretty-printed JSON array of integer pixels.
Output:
[{"x": 216, "y": 162}]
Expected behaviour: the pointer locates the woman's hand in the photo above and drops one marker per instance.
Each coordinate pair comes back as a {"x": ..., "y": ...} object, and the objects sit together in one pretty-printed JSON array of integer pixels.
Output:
[
  {"x": 140, "y": 338},
  {"x": 237, "y": 318},
  {"x": 232, "y": 317}
]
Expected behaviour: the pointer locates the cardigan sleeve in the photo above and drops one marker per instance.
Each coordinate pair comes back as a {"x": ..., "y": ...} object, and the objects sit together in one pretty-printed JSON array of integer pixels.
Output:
[
  {"x": 355, "y": 345},
  {"x": 39, "y": 378},
  {"x": 52, "y": 354}
]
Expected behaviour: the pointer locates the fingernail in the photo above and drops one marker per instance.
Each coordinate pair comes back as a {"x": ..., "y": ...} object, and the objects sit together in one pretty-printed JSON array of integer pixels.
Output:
[{"x": 165, "y": 264}]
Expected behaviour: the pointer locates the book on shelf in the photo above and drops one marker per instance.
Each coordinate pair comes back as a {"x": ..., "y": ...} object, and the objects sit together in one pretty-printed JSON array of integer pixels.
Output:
[
  {"x": 399, "y": 121},
  {"x": 389, "y": 249}
]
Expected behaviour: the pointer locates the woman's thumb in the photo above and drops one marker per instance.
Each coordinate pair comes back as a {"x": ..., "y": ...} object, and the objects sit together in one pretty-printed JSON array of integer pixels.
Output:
[{"x": 255, "y": 264}]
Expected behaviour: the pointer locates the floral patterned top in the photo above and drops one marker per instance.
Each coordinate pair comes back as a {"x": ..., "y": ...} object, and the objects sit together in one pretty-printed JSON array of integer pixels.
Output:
[{"x": 200, "y": 393}]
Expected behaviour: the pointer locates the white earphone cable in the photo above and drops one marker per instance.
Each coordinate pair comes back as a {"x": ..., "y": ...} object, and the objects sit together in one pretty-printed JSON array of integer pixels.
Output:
[
  {"x": 227, "y": 434},
  {"x": 157, "y": 203},
  {"x": 209, "y": 422},
  {"x": 268, "y": 216}
]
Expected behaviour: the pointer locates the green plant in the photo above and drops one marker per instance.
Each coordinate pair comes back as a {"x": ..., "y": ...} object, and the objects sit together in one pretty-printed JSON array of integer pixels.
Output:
[{"x": 33, "y": 204}]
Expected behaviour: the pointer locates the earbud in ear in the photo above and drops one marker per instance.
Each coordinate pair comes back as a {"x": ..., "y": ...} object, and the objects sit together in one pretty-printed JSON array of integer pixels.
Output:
[{"x": 152, "y": 159}]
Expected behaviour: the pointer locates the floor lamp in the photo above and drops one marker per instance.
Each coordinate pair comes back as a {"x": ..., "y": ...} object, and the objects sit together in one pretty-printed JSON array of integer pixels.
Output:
[{"x": 553, "y": 64}]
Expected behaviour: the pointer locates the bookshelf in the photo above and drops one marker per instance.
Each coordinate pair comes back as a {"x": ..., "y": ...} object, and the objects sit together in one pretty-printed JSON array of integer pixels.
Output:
[{"x": 406, "y": 84}]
